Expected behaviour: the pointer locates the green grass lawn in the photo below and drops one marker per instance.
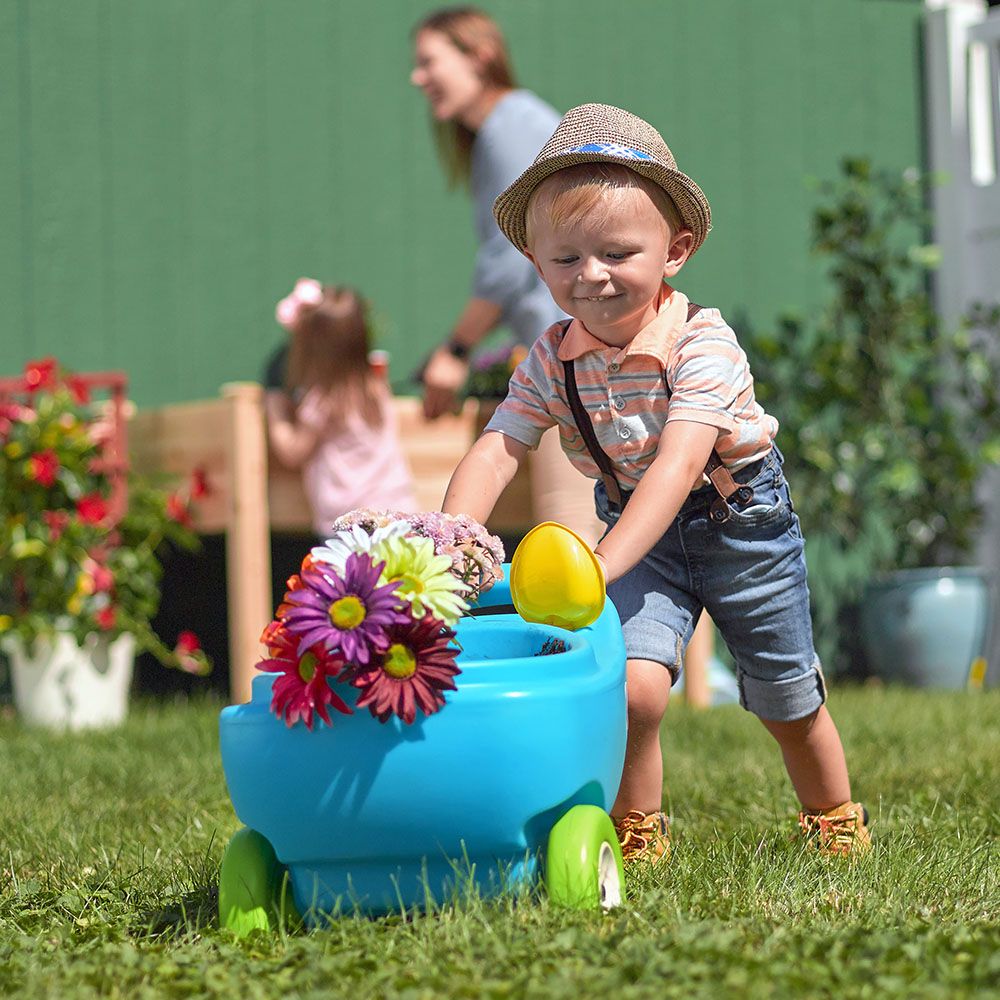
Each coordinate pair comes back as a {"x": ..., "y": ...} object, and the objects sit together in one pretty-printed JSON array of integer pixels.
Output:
[{"x": 110, "y": 847}]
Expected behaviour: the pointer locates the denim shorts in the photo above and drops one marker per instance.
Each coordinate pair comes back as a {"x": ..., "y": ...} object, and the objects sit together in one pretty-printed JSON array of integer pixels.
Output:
[{"x": 749, "y": 573}]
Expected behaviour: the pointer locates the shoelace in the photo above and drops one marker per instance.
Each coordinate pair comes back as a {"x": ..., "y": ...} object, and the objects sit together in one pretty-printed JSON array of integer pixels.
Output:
[
  {"x": 637, "y": 830},
  {"x": 836, "y": 834}
]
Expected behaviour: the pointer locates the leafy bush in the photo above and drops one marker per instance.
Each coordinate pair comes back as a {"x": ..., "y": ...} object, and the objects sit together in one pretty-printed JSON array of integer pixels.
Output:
[{"x": 888, "y": 418}]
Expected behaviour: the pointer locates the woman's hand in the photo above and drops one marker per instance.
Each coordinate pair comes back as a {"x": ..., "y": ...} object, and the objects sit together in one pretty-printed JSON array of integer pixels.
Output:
[{"x": 444, "y": 377}]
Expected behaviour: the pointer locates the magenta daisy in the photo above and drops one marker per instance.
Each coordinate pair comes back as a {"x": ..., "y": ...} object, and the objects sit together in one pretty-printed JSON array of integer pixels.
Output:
[
  {"x": 416, "y": 667},
  {"x": 303, "y": 687},
  {"x": 347, "y": 613}
]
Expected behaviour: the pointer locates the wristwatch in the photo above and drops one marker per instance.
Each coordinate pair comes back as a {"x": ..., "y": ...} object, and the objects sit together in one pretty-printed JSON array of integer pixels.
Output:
[{"x": 457, "y": 349}]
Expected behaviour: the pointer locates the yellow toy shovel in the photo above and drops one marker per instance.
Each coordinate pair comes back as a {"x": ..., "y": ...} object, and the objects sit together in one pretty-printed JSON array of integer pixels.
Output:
[{"x": 555, "y": 578}]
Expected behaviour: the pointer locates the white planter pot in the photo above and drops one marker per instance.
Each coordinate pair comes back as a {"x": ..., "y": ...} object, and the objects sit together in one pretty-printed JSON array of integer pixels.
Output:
[{"x": 60, "y": 685}]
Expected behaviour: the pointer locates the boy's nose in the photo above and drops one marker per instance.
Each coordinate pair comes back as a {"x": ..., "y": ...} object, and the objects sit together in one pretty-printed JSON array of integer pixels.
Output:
[{"x": 593, "y": 270}]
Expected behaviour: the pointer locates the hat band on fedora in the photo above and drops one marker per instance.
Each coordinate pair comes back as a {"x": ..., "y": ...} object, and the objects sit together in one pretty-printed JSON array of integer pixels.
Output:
[{"x": 610, "y": 149}]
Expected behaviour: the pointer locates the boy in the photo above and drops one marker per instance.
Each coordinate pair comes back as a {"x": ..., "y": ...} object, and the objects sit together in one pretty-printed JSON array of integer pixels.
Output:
[{"x": 653, "y": 396}]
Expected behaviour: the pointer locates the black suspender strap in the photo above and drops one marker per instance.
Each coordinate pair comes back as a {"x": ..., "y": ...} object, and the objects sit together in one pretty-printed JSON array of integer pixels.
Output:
[{"x": 716, "y": 472}]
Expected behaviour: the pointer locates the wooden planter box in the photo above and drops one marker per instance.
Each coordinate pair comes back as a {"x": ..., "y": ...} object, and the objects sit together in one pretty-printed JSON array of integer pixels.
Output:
[{"x": 250, "y": 496}]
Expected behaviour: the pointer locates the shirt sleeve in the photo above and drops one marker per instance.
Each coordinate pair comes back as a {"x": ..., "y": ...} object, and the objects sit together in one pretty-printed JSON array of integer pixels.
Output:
[
  {"x": 524, "y": 414},
  {"x": 502, "y": 273},
  {"x": 707, "y": 373}
]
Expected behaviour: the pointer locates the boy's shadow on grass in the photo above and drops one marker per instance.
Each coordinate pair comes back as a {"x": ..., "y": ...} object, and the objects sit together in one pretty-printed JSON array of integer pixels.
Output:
[{"x": 194, "y": 913}]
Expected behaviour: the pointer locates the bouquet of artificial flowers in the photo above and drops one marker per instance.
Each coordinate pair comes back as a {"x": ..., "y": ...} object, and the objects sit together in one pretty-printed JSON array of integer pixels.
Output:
[{"x": 373, "y": 608}]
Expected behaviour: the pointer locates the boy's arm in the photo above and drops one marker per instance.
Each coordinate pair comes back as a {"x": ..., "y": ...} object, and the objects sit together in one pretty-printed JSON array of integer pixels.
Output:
[
  {"x": 483, "y": 475},
  {"x": 684, "y": 449}
]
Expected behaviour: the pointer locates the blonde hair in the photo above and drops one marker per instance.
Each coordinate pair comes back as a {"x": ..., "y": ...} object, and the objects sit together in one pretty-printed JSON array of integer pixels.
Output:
[
  {"x": 593, "y": 190},
  {"x": 475, "y": 34},
  {"x": 329, "y": 351}
]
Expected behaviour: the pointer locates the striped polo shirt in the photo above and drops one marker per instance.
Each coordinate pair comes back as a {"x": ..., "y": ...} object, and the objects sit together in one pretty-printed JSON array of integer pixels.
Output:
[{"x": 623, "y": 390}]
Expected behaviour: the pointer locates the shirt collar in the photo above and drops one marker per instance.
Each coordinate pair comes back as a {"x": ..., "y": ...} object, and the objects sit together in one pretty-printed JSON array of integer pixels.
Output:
[{"x": 655, "y": 338}]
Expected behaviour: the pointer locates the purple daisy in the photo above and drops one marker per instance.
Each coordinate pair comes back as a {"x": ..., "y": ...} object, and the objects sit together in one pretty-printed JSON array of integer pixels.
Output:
[
  {"x": 348, "y": 614},
  {"x": 415, "y": 669}
]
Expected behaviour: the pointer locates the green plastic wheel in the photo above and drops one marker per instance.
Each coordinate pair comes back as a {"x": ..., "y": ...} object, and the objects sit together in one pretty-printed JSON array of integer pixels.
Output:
[
  {"x": 583, "y": 864},
  {"x": 254, "y": 893}
]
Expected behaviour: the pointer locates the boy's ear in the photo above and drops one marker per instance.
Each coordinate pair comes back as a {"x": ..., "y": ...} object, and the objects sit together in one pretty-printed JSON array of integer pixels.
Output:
[
  {"x": 531, "y": 257},
  {"x": 678, "y": 252}
]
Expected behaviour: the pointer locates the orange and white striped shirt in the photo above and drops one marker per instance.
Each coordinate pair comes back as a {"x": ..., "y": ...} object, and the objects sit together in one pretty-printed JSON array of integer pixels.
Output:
[{"x": 624, "y": 392}]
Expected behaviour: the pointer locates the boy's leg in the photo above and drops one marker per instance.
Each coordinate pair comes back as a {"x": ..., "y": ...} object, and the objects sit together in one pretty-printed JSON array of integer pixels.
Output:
[
  {"x": 814, "y": 759},
  {"x": 642, "y": 778},
  {"x": 756, "y": 591}
]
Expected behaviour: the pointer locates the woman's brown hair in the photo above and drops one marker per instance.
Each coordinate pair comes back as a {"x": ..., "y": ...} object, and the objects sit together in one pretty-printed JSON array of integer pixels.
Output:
[
  {"x": 475, "y": 34},
  {"x": 329, "y": 351}
]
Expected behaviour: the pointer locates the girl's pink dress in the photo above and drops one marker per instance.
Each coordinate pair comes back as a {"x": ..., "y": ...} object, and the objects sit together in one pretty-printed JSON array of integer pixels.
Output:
[{"x": 359, "y": 465}]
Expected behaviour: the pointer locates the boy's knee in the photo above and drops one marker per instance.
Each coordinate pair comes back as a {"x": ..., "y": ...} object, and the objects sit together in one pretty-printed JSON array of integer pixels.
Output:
[{"x": 648, "y": 692}]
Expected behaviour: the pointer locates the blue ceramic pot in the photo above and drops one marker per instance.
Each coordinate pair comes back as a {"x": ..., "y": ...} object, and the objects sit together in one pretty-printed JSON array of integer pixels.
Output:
[{"x": 929, "y": 627}]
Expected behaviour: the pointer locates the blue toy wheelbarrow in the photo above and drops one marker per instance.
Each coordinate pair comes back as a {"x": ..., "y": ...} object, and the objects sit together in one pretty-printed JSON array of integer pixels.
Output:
[{"x": 507, "y": 784}]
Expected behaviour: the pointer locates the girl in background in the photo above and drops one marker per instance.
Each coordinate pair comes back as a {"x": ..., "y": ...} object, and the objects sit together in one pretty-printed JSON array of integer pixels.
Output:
[{"x": 328, "y": 413}]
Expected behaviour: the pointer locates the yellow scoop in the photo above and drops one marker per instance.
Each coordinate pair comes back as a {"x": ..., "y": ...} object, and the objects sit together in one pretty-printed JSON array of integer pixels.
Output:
[{"x": 555, "y": 578}]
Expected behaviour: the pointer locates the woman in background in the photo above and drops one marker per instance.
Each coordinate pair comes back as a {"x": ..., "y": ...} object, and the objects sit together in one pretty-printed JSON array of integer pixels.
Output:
[{"x": 488, "y": 132}]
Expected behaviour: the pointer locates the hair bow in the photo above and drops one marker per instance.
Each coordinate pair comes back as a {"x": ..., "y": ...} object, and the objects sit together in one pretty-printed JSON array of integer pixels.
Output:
[{"x": 306, "y": 294}]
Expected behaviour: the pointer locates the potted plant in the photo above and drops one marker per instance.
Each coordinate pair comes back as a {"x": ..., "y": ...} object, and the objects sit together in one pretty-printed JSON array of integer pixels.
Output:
[
  {"x": 888, "y": 421},
  {"x": 80, "y": 543}
]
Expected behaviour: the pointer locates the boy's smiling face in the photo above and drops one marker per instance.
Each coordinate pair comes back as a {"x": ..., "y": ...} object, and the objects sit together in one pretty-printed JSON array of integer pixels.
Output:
[{"x": 606, "y": 267}]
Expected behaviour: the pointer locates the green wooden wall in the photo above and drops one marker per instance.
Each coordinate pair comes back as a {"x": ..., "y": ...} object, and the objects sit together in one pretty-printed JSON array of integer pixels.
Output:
[{"x": 169, "y": 167}]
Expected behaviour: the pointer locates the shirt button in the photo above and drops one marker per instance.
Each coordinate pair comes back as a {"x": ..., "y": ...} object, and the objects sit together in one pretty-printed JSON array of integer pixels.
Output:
[
  {"x": 625, "y": 432},
  {"x": 614, "y": 367},
  {"x": 619, "y": 403}
]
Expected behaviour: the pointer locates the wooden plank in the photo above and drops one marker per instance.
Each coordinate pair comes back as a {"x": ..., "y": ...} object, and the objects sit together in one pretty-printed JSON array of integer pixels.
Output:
[
  {"x": 179, "y": 438},
  {"x": 248, "y": 544}
]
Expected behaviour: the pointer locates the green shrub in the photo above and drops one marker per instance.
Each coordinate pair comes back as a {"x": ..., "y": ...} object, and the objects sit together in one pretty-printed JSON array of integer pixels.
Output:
[{"x": 888, "y": 418}]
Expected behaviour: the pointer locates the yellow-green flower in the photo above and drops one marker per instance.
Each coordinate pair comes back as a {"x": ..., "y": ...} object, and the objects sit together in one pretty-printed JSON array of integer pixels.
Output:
[
  {"x": 5, "y": 622},
  {"x": 423, "y": 580}
]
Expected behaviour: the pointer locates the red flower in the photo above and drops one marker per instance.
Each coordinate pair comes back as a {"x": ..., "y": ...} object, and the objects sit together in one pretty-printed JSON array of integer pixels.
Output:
[
  {"x": 9, "y": 412},
  {"x": 187, "y": 642},
  {"x": 177, "y": 510},
  {"x": 412, "y": 673},
  {"x": 56, "y": 521},
  {"x": 92, "y": 508},
  {"x": 104, "y": 579},
  {"x": 199, "y": 483},
  {"x": 40, "y": 375},
  {"x": 105, "y": 618},
  {"x": 42, "y": 467},
  {"x": 190, "y": 655},
  {"x": 79, "y": 389},
  {"x": 303, "y": 687}
]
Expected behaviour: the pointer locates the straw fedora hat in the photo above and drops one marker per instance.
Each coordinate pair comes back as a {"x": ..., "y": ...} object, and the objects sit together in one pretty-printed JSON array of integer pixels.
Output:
[{"x": 599, "y": 133}]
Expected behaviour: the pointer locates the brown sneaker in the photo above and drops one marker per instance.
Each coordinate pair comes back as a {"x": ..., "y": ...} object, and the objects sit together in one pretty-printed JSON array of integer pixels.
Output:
[
  {"x": 841, "y": 830},
  {"x": 644, "y": 837}
]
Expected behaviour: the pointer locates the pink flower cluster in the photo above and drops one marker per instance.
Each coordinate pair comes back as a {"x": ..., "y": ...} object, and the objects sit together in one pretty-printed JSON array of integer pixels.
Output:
[{"x": 476, "y": 555}]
